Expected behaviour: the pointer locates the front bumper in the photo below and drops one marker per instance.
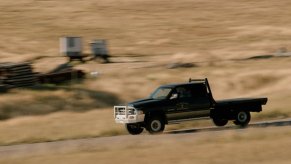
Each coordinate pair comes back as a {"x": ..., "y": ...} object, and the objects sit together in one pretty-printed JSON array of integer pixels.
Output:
[{"x": 123, "y": 116}]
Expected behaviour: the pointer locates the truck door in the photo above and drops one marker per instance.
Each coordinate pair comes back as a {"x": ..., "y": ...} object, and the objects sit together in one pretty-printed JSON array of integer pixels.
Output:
[
  {"x": 181, "y": 104},
  {"x": 192, "y": 101},
  {"x": 200, "y": 101}
]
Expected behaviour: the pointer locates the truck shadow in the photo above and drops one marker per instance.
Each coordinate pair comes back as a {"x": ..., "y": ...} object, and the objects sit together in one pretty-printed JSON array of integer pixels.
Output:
[{"x": 276, "y": 123}]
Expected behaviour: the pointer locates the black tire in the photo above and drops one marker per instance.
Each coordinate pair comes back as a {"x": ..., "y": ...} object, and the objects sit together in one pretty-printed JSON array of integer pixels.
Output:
[
  {"x": 242, "y": 118},
  {"x": 155, "y": 125},
  {"x": 219, "y": 121},
  {"x": 235, "y": 122},
  {"x": 134, "y": 129}
]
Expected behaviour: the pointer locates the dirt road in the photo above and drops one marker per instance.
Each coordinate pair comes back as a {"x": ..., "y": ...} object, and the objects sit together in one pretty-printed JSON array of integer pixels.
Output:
[{"x": 205, "y": 138}]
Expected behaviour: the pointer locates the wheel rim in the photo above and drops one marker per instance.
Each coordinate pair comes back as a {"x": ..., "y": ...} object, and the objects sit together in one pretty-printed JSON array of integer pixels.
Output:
[
  {"x": 242, "y": 116},
  {"x": 156, "y": 125}
]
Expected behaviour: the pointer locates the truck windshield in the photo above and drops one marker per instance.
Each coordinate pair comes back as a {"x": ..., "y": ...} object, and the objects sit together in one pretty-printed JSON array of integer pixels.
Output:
[{"x": 161, "y": 93}]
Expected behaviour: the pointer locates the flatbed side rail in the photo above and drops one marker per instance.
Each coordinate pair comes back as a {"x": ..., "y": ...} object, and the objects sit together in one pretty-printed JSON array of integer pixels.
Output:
[{"x": 197, "y": 80}]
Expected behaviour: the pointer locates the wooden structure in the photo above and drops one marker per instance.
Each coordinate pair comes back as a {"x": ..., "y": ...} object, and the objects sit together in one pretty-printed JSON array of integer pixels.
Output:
[
  {"x": 13, "y": 75},
  {"x": 63, "y": 73}
]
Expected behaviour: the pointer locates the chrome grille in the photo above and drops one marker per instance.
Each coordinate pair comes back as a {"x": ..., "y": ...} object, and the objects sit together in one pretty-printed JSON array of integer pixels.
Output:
[
  {"x": 120, "y": 110},
  {"x": 123, "y": 110}
]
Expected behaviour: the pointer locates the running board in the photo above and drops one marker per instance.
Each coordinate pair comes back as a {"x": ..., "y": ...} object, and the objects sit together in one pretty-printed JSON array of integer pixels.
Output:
[{"x": 189, "y": 119}]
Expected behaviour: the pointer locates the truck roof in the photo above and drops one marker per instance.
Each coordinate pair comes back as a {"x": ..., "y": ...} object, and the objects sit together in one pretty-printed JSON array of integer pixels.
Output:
[{"x": 180, "y": 84}]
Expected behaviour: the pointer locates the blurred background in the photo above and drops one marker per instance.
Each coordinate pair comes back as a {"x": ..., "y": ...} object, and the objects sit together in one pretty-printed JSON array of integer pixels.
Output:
[{"x": 243, "y": 47}]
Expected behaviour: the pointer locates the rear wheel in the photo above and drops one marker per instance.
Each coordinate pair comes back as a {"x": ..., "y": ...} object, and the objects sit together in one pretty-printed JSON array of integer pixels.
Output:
[
  {"x": 155, "y": 125},
  {"x": 134, "y": 129},
  {"x": 219, "y": 121},
  {"x": 242, "y": 118}
]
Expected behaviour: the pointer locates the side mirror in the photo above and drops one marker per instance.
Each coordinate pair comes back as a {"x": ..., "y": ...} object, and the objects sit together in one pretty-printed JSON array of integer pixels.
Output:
[{"x": 174, "y": 96}]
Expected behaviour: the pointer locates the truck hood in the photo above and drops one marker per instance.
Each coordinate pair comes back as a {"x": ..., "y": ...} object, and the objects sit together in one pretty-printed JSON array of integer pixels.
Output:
[{"x": 144, "y": 103}]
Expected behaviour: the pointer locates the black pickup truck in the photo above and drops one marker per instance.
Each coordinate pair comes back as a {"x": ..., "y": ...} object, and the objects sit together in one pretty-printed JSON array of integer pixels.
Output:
[{"x": 182, "y": 102}]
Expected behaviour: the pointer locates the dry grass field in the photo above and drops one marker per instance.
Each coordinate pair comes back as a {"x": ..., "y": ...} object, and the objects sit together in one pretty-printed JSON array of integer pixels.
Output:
[
  {"x": 258, "y": 145},
  {"x": 145, "y": 38}
]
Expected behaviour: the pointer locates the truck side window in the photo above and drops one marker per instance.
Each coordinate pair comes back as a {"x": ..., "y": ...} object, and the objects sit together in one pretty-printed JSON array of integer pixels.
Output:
[
  {"x": 199, "y": 90},
  {"x": 184, "y": 92}
]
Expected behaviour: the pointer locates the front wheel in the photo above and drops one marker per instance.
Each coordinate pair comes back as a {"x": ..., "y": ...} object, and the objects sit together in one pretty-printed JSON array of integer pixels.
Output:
[
  {"x": 219, "y": 121},
  {"x": 134, "y": 129},
  {"x": 155, "y": 125},
  {"x": 242, "y": 118}
]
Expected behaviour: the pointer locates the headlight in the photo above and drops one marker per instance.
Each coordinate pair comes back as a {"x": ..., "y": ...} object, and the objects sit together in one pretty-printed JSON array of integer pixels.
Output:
[
  {"x": 133, "y": 111},
  {"x": 139, "y": 112}
]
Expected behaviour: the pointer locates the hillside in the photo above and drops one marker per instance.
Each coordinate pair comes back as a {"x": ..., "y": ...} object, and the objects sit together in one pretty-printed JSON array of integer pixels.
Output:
[{"x": 200, "y": 29}]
